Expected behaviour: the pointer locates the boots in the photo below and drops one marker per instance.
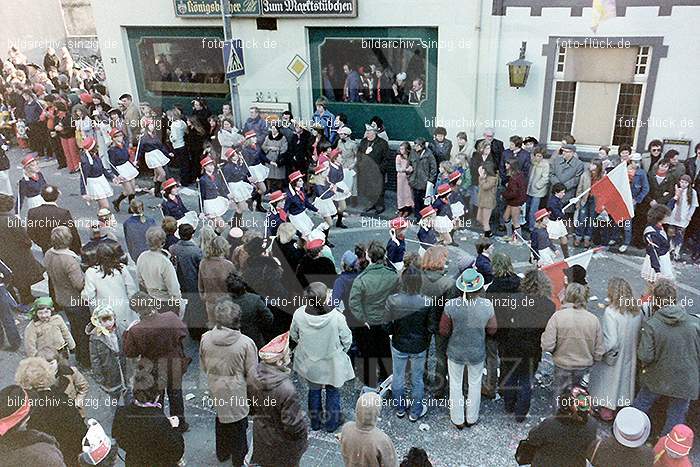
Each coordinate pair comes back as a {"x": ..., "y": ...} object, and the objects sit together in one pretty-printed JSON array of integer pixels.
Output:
[
  {"x": 237, "y": 220},
  {"x": 156, "y": 189},
  {"x": 131, "y": 198},
  {"x": 117, "y": 202},
  {"x": 488, "y": 234},
  {"x": 565, "y": 250},
  {"x": 328, "y": 241},
  {"x": 258, "y": 202},
  {"x": 315, "y": 409},
  {"x": 339, "y": 221}
]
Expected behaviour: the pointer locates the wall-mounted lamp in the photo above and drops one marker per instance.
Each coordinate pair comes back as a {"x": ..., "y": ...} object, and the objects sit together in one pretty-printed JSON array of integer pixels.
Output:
[{"x": 519, "y": 69}]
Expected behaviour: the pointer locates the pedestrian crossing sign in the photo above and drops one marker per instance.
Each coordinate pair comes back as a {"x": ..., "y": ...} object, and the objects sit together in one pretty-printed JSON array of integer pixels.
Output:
[{"x": 233, "y": 58}]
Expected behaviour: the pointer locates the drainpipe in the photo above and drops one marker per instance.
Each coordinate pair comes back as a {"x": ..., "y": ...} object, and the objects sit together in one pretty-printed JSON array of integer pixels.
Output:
[{"x": 475, "y": 95}]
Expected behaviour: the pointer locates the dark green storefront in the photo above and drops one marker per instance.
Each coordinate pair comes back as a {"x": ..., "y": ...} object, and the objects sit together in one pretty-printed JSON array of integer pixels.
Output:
[{"x": 402, "y": 121}]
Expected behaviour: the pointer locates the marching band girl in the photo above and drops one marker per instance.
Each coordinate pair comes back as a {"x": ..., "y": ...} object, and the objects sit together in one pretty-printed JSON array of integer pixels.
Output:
[
  {"x": 657, "y": 262},
  {"x": 426, "y": 232},
  {"x": 153, "y": 151},
  {"x": 456, "y": 199},
  {"x": 555, "y": 226},
  {"x": 443, "y": 221},
  {"x": 543, "y": 250},
  {"x": 93, "y": 181},
  {"x": 255, "y": 159},
  {"x": 336, "y": 175},
  {"x": 31, "y": 184},
  {"x": 275, "y": 215},
  {"x": 236, "y": 175},
  {"x": 173, "y": 206},
  {"x": 125, "y": 171},
  {"x": 213, "y": 193},
  {"x": 396, "y": 247},
  {"x": 297, "y": 203},
  {"x": 324, "y": 192}
]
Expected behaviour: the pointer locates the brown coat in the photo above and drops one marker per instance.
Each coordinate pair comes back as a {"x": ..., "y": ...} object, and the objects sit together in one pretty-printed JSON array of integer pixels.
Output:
[
  {"x": 53, "y": 333},
  {"x": 227, "y": 358},
  {"x": 76, "y": 387},
  {"x": 280, "y": 429},
  {"x": 361, "y": 442},
  {"x": 487, "y": 192},
  {"x": 30, "y": 447},
  {"x": 212, "y": 282},
  {"x": 68, "y": 280}
]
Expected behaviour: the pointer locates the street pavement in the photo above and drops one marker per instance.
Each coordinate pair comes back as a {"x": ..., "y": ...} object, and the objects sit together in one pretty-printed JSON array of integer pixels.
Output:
[{"x": 492, "y": 442}]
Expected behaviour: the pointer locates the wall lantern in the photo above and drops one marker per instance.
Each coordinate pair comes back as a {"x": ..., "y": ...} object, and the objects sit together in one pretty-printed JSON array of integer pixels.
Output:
[{"x": 519, "y": 69}]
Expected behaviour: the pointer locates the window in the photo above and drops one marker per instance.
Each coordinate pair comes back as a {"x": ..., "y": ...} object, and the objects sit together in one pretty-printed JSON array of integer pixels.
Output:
[
  {"x": 627, "y": 112},
  {"x": 642, "y": 63},
  {"x": 561, "y": 57},
  {"x": 563, "y": 113},
  {"x": 373, "y": 70},
  {"x": 182, "y": 65}
]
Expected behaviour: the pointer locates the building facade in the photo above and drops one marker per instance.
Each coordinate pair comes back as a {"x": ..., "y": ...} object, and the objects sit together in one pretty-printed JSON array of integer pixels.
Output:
[{"x": 633, "y": 81}]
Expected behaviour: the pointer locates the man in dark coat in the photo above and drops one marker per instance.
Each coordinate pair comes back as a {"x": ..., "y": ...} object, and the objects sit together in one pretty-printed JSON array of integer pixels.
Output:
[
  {"x": 157, "y": 340},
  {"x": 497, "y": 147},
  {"x": 373, "y": 162},
  {"x": 16, "y": 251},
  {"x": 298, "y": 155},
  {"x": 280, "y": 429},
  {"x": 424, "y": 167},
  {"x": 186, "y": 256},
  {"x": 41, "y": 220},
  {"x": 256, "y": 317}
]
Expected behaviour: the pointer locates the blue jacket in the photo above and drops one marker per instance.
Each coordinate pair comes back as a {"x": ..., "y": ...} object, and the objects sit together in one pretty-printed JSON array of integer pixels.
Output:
[
  {"x": 254, "y": 156},
  {"x": 295, "y": 205},
  {"x": 259, "y": 126},
  {"x": 639, "y": 186},
  {"x": 443, "y": 208},
  {"x": 326, "y": 119},
  {"x": 657, "y": 245},
  {"x": 175, "y": 208},
  {"x": 335, "y": 174},
  {"x": 135, "y": 235},
  {"x": 539, "y": 240},
  {"x": 427, "y": 237},
  {"x": 28, "y": 188},
  {"x": 118, "y": 155},
  {"x": 352, "y": 81},
  {"x": 32, "y": 112},
  {"x": 556, "y": 208},
  {"x": 150, "y": 143},
  {"x": 91, "y": 167},
  {"x": 273, "y": 220},
  {"x": 235, "y": 172},
  {"x": 323, "y": 191},
  {"x": 483, "y": 267},
  {"x": 394, "y": 252},
  {"x": 211, "y": 189}
]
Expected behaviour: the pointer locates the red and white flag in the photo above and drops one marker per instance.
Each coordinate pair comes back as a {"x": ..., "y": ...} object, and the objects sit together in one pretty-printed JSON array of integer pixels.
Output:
[
  {"x": 613, "y": 193},
  {"x": 556, "y": 274}
]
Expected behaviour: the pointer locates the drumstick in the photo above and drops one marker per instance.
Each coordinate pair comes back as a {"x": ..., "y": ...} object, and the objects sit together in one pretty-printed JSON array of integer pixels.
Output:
[
  {"x": 199, "y": 195},
  {"x": 80, "y": 167}
]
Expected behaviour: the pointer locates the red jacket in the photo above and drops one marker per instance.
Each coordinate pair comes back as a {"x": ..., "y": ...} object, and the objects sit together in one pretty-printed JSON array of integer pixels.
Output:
[{"x": 515, "y": 193}]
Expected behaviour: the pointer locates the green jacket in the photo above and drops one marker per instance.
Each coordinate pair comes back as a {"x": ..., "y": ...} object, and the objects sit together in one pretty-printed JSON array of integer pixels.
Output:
[
  {"x": 370, "y": 291},
  {"x": 669, "y": 350}
]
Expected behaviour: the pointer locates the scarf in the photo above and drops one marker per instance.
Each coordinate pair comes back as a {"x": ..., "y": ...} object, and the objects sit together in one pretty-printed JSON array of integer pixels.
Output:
[{"x": 15, "y": 418}]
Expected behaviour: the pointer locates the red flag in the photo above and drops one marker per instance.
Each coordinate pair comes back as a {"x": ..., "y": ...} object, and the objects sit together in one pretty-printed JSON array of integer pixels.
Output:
[
  {"x": 555, "y": 272},
  {"x": 613, "y": 193}
]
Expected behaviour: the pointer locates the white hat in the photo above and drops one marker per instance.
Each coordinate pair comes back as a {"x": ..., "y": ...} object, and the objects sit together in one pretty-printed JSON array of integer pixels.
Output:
[
  {"x": 631, "y": 427},
  {"x": 345, "y": 131},
  {"x": 636, "y": 156},
  {"x": 401, "y": 76}
]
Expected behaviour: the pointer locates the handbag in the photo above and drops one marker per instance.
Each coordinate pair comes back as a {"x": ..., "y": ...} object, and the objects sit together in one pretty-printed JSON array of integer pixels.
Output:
[{"x": 525, "y": 452}]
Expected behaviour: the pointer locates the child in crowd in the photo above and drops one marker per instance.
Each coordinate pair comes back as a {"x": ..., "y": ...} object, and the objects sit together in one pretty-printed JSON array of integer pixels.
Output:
[
  {"x": 444, "y": 170},
  {"x": 324, "y": 191},
  {"x": 46, "y": 330},
  {"x": 108, "y": 361},
  {"x": 69, "y": 380},
  {"x": 484, "y": 249},
  {"x": 515, "y": 196},
  {"x": 456, "y": 199},
  {"x": 236, "y": 176},
  {"x": 543, "y": 250},
  {"x": 657, "y": 262},
  {"x": 426, "y": 233},
  {"x": 555, "y": 226},
  {"x": 396, "y": 246},
  {"x": 672, "y": 450},
  {"x": 683, "y": 206},
  {"x": 443, "y": 221}
]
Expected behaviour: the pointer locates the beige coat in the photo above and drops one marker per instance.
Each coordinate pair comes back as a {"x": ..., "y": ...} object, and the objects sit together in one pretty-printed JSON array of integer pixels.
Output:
[
  {"x": 487, "y": 192},
  {"x": 575, "y": 338},
  {"x": 77, "y": 389},
  {"x": 52, "y": 333},
  {"x": 538, "y": 180},
  {"x": 68, "y": 280},
  {"x": 227, "y": 358},
  {"x": 212, "y": 282},
  {"x": 361, "y": 442},
  {"x": 157, "y": 275}
]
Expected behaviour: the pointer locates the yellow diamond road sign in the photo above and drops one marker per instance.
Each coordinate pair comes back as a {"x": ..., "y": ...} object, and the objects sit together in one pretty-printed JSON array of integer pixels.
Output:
[{"x": 297, "y": 67}]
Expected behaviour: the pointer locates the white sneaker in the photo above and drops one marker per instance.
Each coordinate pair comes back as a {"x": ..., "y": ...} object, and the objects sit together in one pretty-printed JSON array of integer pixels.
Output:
[
  {"x": 423, "y": 411},
  {"x": 622, "y": 248}
]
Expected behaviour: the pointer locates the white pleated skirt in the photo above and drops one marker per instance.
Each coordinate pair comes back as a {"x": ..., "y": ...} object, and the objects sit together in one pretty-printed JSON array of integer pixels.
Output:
[
  {"x": 98, "y": 188},
  {"x": 302, "y": 222},
  {"x": 443, "y": 224},
  {"x": 345, "y": 194},
  {"x": 258, "y": 172},
  {"x": 241, "y": 191},
  {"x": 326, "y": 207},
  {"x": 648, "y": 273},
  {"x": 556, "y": 229},
  {"x": 216, "y": 207},
  {"x": 127, "y": 171},
  {"x": 156, "y": 158},
  {"x": 190, "y": 217}
]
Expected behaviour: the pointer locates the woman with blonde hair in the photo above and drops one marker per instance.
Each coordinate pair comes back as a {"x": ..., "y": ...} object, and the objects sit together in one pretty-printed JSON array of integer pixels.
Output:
[{"x": 612, "y": 379}]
